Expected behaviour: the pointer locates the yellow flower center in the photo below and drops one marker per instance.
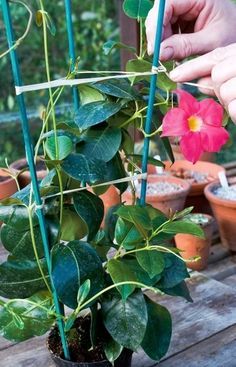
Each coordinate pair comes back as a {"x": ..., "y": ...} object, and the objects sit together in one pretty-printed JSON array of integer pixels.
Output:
[{"x": 195, "y": 123}]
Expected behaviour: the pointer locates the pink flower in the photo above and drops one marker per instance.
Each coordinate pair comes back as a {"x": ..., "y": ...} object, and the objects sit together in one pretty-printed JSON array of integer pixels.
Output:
[{"x": 198, "y": 124}]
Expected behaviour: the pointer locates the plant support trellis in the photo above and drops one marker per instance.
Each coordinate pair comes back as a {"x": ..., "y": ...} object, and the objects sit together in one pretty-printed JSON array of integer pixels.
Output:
[{"x": 27, "y": 139}]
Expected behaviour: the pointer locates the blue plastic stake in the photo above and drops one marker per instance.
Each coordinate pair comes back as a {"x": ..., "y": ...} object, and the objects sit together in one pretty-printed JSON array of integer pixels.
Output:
[
  {"x": 30, "y": 159},
  {"x": 148, "y": 124},
  {"x": 71, "y": 42}
]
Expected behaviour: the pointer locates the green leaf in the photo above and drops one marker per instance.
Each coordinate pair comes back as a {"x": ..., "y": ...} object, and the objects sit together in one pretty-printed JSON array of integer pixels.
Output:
[
  {"x": 183, "y": 213},
  {"x": 180, "y": 290},
  {"x": 174, "y": 273},
  {"x": 168, "y": 149},
  {"x": 83, "y": 292},
  {"x": 120, "y": 272},
  {"x": 19, "y": 244},
  {"x": 119, "y": 88},
  {"x": 17, "y": 216},
  {"x": 24, "y": 319},
  {"x": 116, "y": 171},
  {"x": 139, "y": 66},
  {"x": 72, "y": 265},
  {"x": 184, "y": 227},
  {"x": 126, "y": 321},
  {"x": 137, "y": 8},
  {"x": 127, "y": 142},
  {"x": 83, "y": 169},
  {"x": 91, "y": 209},
  {"x": 137, "y": 158},
  {"x": 70, "y": 321},
  {"x": 138, "y": 216},
  {"x": 94, "y": 113},
  {"x": 73, "y": 227},
  {"x": 127, "y": 235},
  {"x": 165, "y": 83},
  {"x": 50, "y": 24},
  {"x": 111, "y": 45},
  {"x": 141, "y": 275},
  {"x": 157, "y": 338},
  {"x": 112, "y": 350},
  {"x": 102, "y": 143},
  {"x": 88, "y": 94},
  {"x": 65, "y": 147},
  {"x": 21, "y": 278},
  {"x": 151, "y": 261}
]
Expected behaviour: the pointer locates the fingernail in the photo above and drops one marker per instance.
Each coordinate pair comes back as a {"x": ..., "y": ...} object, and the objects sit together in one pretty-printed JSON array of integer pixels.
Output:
[
  {"x": 175, "y": 75},
  {"x": 167, "y": 53}
]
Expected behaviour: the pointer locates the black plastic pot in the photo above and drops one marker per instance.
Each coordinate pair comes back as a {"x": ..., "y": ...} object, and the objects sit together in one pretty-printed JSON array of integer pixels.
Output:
[{"x": 123, "y": 361}]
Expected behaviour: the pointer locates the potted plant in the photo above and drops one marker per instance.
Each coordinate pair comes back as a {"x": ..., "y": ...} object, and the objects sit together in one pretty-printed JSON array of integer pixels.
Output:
[
  {"x": 20, "y": 167},
  {"x": 101, "y": 274},
  {"x": 166, "y": 193},
  {"x": 199, "y": 175},
  {"x": 8, "y": 184},
  {"x": 194, "y": 248},
  {"x": 223, "y": 204}
]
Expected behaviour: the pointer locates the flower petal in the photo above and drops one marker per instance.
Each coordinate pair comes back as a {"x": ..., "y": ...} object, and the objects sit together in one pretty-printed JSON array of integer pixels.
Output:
[
  {"x": 213, "y": 138},
  {"x": 191, "y": 146},
  {"x": 175, "y": 123},
  {"x": 187, "y": 102},
  {"x": 211, "y": 112}
]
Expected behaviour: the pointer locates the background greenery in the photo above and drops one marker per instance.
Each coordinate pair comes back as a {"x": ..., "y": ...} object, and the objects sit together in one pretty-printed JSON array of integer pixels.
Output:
[{"x": 94, "y": 22}]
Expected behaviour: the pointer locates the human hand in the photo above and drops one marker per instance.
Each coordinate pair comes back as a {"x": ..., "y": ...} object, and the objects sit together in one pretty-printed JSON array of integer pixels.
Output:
[
  {"x": 204, "y": 24},
  {"x": 219, "y": 71}
]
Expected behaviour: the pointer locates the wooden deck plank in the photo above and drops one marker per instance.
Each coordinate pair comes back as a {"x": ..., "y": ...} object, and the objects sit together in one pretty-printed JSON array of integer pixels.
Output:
[
  {"x": 217, "y": 351},
  {"x": 222, "y": 269},
  {"x": 217, "y": 253},
  {"x": 230, "y": 281},
  {"x": 213, "y": 310}
]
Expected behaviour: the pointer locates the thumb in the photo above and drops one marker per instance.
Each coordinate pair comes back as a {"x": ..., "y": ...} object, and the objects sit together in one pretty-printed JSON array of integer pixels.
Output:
[{"x": 180, "y": 46}]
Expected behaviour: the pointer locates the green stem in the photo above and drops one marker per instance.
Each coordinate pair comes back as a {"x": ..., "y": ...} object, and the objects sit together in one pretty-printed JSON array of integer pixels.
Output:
[
  {"x": 61, "y": 192},
  {"x": 35, "y": 248}
]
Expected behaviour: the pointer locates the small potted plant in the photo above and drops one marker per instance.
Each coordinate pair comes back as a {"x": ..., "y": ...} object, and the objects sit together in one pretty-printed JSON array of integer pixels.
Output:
[
  {"x": 223, "y": 204},
  {"x": 8, "y": 183},
  {"x": 196, "y": 249}
]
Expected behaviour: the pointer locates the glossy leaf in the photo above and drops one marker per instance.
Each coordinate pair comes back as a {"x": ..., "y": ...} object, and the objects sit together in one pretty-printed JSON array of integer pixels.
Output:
[
  {"x": 120, "y": 272},
  {"x": 168, "y": 149},
  {"x": 184, "y": 227},
  {"x": 72, "y": 265},
  {"x": 111, "y": 45},
  {"x": 83, "y": 292},
  {"x": 127, "y": 235},
  {"x": 137, "y": 8},
  {"x": 88, "y": 95},
  {"x": 21, "y": 278},
  {"x": 116, "y": 171},
  {"x": 22, "y": 320},
  {"x": 138, "y": 216},
  {"x": 151, "y": 261},
  {"x": 65, "y": 147},
  {"x": 157, "y": 338},
  {"x": 91, "y": 209},
  {"x": 102, "y": 143},
  {"x": 83, "y": 169},
  {"x": 73, "y": 227},
  {"x": 19, "y": 244},
  {"x": 180, "y": 290},
  {"x": 174, "y": 273},
  {"x": 137, "y": 158},
  {"x": 140, "y": 274},
  {"x": 112, "y": 350},
  {"x": 126, "y": 321},
  {"x": 17, "y": 216},
  {"x": 139, "y": 66},
  {"x": 119, "y": 88},
  {"x": 94, "y": 113}
]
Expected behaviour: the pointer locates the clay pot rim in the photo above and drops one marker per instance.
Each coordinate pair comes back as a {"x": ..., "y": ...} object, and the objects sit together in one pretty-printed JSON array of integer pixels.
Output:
[
  {"x": 215, "y": 199},
  {"x": 15, "y": 165},
  {"x": 197, "y": 187},
  {"x": 185, "y": 187}
]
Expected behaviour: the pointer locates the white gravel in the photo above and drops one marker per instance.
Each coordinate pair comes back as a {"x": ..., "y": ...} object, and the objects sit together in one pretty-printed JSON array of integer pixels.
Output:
[
  {"x": 160, "y": 188},
  {"x": 226, "y": 193}
]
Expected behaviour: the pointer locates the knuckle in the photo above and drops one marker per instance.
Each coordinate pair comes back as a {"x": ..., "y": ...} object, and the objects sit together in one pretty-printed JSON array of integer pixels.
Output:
[
  {"x": 224, "y": 94},
  {"x": 186, "y": 46},
  {"x": 216, "y": 74},
  {"x": 218, "y": 53}
]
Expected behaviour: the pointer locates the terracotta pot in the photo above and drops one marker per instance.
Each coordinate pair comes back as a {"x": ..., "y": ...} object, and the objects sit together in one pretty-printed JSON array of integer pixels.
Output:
[
  {"x": 205, "y": 157},
  {"x": 196, "y": 197},
  {"x": 24, "y": 178},
  {"x": 164, "y": 202},
  {"x": 7, "y": 184},
  {"x": 193, "y": 246},
  {"x": 110, "y": 198},
  {"x": 225, "y": 214}
]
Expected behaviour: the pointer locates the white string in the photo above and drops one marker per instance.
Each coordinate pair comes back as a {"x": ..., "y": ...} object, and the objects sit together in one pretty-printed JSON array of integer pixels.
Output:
[{"x": 141, "y": 176}]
